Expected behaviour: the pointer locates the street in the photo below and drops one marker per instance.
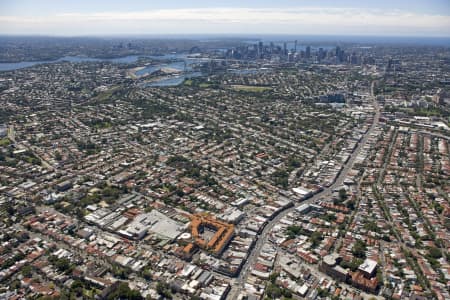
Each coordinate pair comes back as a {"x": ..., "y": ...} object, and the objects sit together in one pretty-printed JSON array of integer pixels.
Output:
[{"x": 326, "y": 192}]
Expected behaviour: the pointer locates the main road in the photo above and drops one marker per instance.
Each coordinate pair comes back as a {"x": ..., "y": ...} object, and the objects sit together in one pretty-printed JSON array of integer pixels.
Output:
[{"x": 326, "y": 192}]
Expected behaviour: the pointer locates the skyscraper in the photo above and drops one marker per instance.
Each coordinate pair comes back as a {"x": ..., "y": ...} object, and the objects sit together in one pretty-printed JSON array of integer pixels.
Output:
[
  {"x": 260, "y": 49},
  {"x": 321, "y": 54}
]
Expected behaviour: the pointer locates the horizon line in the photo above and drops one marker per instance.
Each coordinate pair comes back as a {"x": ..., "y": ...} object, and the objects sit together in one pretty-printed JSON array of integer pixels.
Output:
[{"x": 241, "y": 35}]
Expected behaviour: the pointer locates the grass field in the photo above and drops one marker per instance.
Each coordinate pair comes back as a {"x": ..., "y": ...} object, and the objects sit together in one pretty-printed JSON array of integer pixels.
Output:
[
  {"x": 105, "y": 96},
  {"x": 4, "y": 142},
  {"x": 188, "y": 82},
  {"x": 251, "y": 88}
]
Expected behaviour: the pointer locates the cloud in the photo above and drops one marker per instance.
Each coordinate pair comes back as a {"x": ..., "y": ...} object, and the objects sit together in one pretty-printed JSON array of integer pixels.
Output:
[{"x": 296, "y": 20}]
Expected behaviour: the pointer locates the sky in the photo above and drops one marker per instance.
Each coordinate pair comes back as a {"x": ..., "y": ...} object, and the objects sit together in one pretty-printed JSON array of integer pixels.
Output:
[{"x": 429, "y": 18}]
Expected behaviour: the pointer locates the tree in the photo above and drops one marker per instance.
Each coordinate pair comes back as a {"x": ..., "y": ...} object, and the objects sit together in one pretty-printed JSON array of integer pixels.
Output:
[
  {"x": 379, "y": 275},
  {"x": 147, "y": 274},
  {"x": 352, "y": 265},
  {"x": 293, "y": 230},
  {"x": 27, "y": 271},
  {"x": 58, "y": 156},
  {"x": 120, "y": 272},
  {"x": 350, "y": 204},
  {"x": 342, "y": 194},
  {"x": 293, "y": 162},
  {"x": 322, "y": 292},
  {"x": 14, "y": 285},
  {"x": 273, "y": 291},
  {"x": 316, "y": 237},
  {"x": 273, "y": 277},
  {"x": 286, "y": 293},
  {"x": 371, "y": 226},
  {"x": 330, "y": 217},
  {"x": 280, "y": 178},
  {"x": 10, "y": 208},
  {"x": 435, "y": 252},
  {"x": 63, "y": 264},
  {"x": 123, "y": 291},
  {"x": 359, "y": 249},
  {"x": 163, "y": 290},
  {"x": 77, "y": 288}
]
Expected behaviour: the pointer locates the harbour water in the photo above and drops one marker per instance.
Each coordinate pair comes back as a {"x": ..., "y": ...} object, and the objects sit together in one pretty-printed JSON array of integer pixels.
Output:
[
  {"x": 74, "y": 59},
  {"x": 181, "y": 62}
]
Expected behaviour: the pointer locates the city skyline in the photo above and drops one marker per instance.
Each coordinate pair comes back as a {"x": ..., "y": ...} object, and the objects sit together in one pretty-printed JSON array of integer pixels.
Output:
[{"x": 381, "y": 18}]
